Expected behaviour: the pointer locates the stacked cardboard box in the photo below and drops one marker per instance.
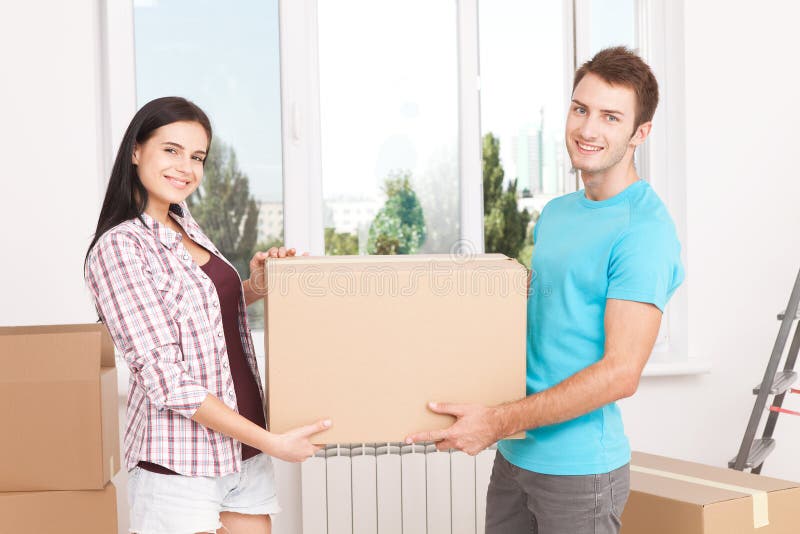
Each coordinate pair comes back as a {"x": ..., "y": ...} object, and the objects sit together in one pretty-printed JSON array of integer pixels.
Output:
[
  {"x": 368, "y": 341},
  {"x": 671, "y": 496},
  {"x": 58, "y": 410}
]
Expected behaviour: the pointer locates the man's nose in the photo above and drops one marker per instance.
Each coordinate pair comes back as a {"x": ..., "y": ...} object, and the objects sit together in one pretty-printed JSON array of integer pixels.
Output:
[{"x": 588, "y": 129}]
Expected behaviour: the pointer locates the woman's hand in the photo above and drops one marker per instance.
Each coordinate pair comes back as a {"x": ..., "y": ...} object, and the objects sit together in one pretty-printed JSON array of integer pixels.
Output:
[
  {"x": 255, "y": 286},
  {"x": 295, "y": 445},
  {"x": 257, "y": 263}
]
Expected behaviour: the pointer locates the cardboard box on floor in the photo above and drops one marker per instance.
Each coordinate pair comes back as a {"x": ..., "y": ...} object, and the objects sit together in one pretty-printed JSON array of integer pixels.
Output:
[
  {"x": 368, "y": 340},
  {"x": 65, "y": 512},
  {"x": 58, "y": 407},
  {"x": 671, "y": 496}
]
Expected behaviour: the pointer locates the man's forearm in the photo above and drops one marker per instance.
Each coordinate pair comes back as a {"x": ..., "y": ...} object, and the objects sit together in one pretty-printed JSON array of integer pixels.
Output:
[{"x": 597, "y": 385}]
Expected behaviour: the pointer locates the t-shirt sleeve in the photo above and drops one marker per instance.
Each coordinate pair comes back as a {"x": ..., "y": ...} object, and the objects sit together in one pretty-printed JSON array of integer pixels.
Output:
[{"x": 645, "y": 265}]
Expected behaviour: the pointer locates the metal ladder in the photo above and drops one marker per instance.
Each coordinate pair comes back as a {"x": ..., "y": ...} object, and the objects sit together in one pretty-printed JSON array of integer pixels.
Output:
[{"x": 752, "y": 452}]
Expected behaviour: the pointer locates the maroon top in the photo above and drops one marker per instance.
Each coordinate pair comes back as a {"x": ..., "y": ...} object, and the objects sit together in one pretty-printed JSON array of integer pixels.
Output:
[{"x": 248, "y": 399}]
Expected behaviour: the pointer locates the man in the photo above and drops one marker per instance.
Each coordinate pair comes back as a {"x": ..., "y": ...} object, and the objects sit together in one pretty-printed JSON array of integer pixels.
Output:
[{"x": 606, "y": 261}]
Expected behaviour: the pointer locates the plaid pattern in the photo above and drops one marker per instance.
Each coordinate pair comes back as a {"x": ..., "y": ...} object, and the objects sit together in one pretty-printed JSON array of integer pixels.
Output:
[{"x": 164, "y": 316}]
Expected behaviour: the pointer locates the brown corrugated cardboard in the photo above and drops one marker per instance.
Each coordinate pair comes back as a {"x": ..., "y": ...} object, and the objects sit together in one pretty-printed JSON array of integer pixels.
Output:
[
  {"x": 368, "y": 340},
  {"x": 65, "y": 512},
  {"x": 58, "y": 404},
  {"x": 671, "y": 496}
]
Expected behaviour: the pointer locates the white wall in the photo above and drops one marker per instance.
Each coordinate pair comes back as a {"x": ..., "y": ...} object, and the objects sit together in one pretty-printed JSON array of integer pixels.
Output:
[
  {"x": 51, "y": 152},
  {"x": 743, "y": 249}
]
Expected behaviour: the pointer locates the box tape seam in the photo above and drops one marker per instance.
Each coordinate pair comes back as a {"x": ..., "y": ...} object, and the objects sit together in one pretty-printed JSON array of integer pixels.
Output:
[{"x": 760, "y": 498}]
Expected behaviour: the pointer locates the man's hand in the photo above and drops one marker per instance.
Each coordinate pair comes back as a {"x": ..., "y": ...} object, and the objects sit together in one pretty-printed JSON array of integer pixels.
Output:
[{"x": 476, "y": 428}]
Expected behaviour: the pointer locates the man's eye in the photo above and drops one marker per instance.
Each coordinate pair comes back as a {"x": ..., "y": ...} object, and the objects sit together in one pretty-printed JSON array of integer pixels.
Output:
[{"x": 612, "y": 118}]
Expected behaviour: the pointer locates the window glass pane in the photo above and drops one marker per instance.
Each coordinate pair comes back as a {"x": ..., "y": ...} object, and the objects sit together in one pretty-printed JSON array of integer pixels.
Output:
[
  {"x": 389, "y": 125},
  {"x": 613, "y": 23},
  {"x": 523, "y": 112},
  {"x": 226, "y": 61}
]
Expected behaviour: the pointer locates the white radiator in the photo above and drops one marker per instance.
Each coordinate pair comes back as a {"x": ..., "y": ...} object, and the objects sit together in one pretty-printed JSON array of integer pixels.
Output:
[{"x": 392, "y": 488}]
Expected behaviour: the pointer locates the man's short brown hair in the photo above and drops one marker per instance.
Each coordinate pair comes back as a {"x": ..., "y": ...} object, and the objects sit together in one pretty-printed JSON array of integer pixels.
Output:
[{"x": 621, "y": 66}]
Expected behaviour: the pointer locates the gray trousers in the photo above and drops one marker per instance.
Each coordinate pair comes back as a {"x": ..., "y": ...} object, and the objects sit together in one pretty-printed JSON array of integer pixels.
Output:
[{"x": 523, "y": 502}]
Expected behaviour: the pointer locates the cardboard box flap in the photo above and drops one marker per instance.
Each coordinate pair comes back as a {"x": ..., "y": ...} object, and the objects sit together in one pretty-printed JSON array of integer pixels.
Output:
[
  {"x": 695, "y": 491},
  {"x": 697, "y": 483},
  {"x": 393, "y": 259},
  {"x": 398, "y": 262},
  {"x": 105, "y": 346}
]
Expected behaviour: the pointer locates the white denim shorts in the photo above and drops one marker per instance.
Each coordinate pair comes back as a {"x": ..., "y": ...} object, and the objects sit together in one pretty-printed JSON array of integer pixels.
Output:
[{"x": 177, "y": 504}]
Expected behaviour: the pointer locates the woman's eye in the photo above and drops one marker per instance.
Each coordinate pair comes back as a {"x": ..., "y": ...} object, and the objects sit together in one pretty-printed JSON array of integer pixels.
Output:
[
  {"x": 171, "y": 150},
  {"x": 198, "y": 158}
]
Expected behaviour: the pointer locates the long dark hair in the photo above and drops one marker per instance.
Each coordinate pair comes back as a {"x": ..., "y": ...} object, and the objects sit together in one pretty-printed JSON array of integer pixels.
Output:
[{"x": 126, "y": 197}]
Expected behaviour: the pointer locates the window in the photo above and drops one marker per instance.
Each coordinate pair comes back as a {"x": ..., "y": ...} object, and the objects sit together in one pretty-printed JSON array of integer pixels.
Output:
[
  {"x": 389, "y": 125},
  {"x": 227, "y": 62},
  {"x": 291, "y": 88}
]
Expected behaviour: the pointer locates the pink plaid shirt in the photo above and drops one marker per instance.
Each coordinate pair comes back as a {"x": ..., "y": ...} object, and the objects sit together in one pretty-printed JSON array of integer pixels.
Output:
[{"x": 164, "y": 316}]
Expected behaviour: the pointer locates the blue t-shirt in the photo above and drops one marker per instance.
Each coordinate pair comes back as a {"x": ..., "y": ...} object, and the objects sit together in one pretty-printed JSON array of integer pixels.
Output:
[{"x": 585, "y": 252}]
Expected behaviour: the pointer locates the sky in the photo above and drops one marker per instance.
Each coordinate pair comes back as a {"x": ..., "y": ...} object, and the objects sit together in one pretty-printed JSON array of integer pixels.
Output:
[{"x": 388, "y": 88}]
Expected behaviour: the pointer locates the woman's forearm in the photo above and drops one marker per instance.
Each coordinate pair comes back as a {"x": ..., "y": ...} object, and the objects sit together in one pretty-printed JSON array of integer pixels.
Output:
[
  {"x": 251, "y": 294},
  {"x": 291, "y": 446},
  {"x": 214, "y": 414}
]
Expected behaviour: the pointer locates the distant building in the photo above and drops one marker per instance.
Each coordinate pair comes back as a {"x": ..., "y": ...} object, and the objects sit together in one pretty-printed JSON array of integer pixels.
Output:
[
  {"x": 537, "y": 154},
  {"x": 350, "y": 214},
  {"x": 270, "y": 220},
  {"x": 526, "y": 152}
]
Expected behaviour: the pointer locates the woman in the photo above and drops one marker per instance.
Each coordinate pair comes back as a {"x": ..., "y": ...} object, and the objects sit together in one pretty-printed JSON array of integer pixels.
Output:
[{"x": 195, "y": 444}]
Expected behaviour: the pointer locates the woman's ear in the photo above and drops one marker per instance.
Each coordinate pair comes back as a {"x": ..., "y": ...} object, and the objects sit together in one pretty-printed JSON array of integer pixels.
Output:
[{"x": 135, "y": 156}]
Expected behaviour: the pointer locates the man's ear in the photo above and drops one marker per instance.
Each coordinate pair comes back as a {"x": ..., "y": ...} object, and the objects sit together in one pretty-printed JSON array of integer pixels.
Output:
[{"x": 641, "y": 133}]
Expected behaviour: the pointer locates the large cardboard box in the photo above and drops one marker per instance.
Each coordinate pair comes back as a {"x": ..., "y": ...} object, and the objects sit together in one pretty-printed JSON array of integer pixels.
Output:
[
  {"x": 64, "y": 512},
  {"x": 58, "y": 408},
  {"x": 368, "y": 340},
  {"x": 671, "y": 496}
]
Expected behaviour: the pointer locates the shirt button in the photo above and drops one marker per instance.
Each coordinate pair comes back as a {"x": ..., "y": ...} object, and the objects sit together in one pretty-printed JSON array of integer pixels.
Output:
[
  {"x": 219, "y": 334},
  {"x": 185, "y": 256},
  {"x": 215, "y": 304},
  {"x": 230, "y": 394},
  {"x": 225, "y": 365}
]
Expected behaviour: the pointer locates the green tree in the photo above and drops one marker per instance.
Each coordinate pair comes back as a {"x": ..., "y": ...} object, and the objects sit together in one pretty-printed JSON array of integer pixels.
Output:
[
  {"x": 526, "y": 252},
  {"x": 504, "y": 226},
  {"x": 340, "y": 243},
  {"x": 224, "y": 207},
  {"x": 399, "y": 226}
]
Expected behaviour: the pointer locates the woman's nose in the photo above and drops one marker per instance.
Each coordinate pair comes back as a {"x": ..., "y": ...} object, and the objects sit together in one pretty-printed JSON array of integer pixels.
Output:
[{"x": 184, "y": 165}]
